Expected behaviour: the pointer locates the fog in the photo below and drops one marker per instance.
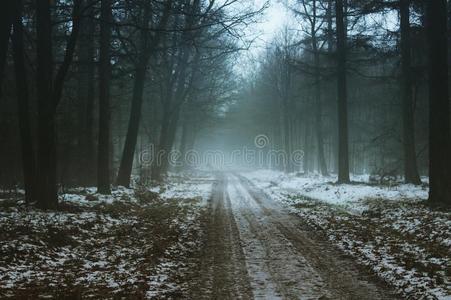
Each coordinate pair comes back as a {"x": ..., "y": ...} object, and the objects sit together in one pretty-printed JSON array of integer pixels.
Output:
[
  {"x": 225, "y": 149},
  {"x": 173, "y": 78}
]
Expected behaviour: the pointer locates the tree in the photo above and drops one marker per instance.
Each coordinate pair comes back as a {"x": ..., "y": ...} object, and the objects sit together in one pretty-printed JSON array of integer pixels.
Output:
[
  {"x": 6, "y": 19},
  {"x": 343, "y": 152},
  {"x": 103, "y": 154},
  {"x": 49, "y": 91},
  {"x": 177, "y": 82},
  {"x": 86, "y": 95},
  {"x": 439, "y": 119},
  {"x": 283, "y": 78},
  {"x": 147, "y": 46},
  {"x": 315, "y": 22},
  {"x": 28, "y": 155},
  {"x": 410, "y": 161},
  {"x": 286, "y": 78},
  {"x": 47, "y": 193}
]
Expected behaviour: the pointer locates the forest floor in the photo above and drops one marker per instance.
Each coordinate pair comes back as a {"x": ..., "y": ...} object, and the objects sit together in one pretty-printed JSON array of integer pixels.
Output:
[
  {"x": 137, "y": 244},
  {"x": 250, "y": 235}
]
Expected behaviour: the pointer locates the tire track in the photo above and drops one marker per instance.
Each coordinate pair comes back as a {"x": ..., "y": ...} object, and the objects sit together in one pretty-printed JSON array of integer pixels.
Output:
[
  {"x": 222, "y": 273},
  {"x": 343, "y": 277},
  {"x": 255, "y": 249},
  {"x": 276, "y": 270}
]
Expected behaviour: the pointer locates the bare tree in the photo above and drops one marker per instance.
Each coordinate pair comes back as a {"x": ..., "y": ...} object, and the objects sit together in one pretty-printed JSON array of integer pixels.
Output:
[
  {"x": 147, "y": 46},
  {"x": 315, "y": 23}
]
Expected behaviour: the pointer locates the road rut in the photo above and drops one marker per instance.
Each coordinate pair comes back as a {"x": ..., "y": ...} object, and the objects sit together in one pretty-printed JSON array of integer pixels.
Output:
[{"x": 255, "y": 249}]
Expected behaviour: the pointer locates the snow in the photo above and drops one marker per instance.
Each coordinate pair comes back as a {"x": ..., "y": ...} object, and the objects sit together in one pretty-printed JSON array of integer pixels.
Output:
[
  {"x": 141, "y": 241},
  {"x": 270, "y": 256},
  {"x": 89, "y": 196},
  {"x": 386, "y": 228},
  {"x": 133, "y": 242},
  {"x": 349, "y": 196},
  {"x": 184, "y": 191}
]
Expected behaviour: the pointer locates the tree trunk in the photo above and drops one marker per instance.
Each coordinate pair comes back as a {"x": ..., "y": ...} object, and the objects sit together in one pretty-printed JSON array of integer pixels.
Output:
[
  {"x": 183, "y": 145},
  {"x": 343, "y": 152},
  {"x": 163, "y": 140},
  {"x": 168, "y": 161},
  {"x": 126, "y": 165},
  {"x": 6, "y": 20},
  {"x": 49, "y": 93},
  {"x": 330, "y": 93},
  {"x": 28, "y": 158},
  {"x": 86, "y": 95},
  {"x": 286, "y": 117},
  {"x": 318, "y": 111},
  {"x": 439, "y": 119},
  {"x": 103, "y": 159},
  {"x": 125, "y": 169},
  {"x": 307, "y": 147},
  {"x": 46, "y": 163},
  {"x": 410, "y": 159},
  {"x": 286, "y": 136},
  {"x": 170, "y": 116}
]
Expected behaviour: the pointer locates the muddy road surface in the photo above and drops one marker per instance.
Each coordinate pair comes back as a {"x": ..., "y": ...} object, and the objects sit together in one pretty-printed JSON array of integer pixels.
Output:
[{"x": 255, "y": 249}]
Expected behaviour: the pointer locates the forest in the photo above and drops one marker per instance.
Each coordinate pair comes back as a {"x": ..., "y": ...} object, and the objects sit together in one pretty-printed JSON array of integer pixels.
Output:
[{"x": 224, "y": 149}]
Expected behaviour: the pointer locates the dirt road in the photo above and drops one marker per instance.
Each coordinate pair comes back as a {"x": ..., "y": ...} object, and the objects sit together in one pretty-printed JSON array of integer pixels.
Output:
[{"x": 256, "y": 250}]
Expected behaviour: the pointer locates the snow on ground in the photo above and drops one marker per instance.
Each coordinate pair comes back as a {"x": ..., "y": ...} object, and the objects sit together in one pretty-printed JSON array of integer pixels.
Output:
[
  {"x": 88, "y": 196},
  {"x": 133, "y": 243},
  {"x": 186, "y": 186},
  {"x": 388, "y": 229},
  {"x": 321, "y": 188}
]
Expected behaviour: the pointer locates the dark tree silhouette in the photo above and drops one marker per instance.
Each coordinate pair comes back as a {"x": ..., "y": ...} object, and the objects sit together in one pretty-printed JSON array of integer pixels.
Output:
[
  {"x": 6, "y": 19},
  {"x": 147, "y": 46},
  {"x": 103, "y": 154},
  {"x": 343, "y": 152},
  {"x": 86, "y": 95},
  {"x": 28, "y": 156},
  {"x": 410, "y": 160},
  {"x": 439, "y": 116},
  {"x": 49, "y": 91}
]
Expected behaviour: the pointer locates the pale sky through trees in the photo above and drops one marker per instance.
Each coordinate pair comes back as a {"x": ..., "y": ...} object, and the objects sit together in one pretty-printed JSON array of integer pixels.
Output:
[
  {"x": 274, "y": 17},
  {"x": 277, "y": 15}
]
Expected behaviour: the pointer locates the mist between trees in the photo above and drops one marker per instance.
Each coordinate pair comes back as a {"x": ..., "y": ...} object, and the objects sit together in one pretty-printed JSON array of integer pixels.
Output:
[
  {"x": 88, "y": 86},
  {"x": 216, "y": 160}
]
